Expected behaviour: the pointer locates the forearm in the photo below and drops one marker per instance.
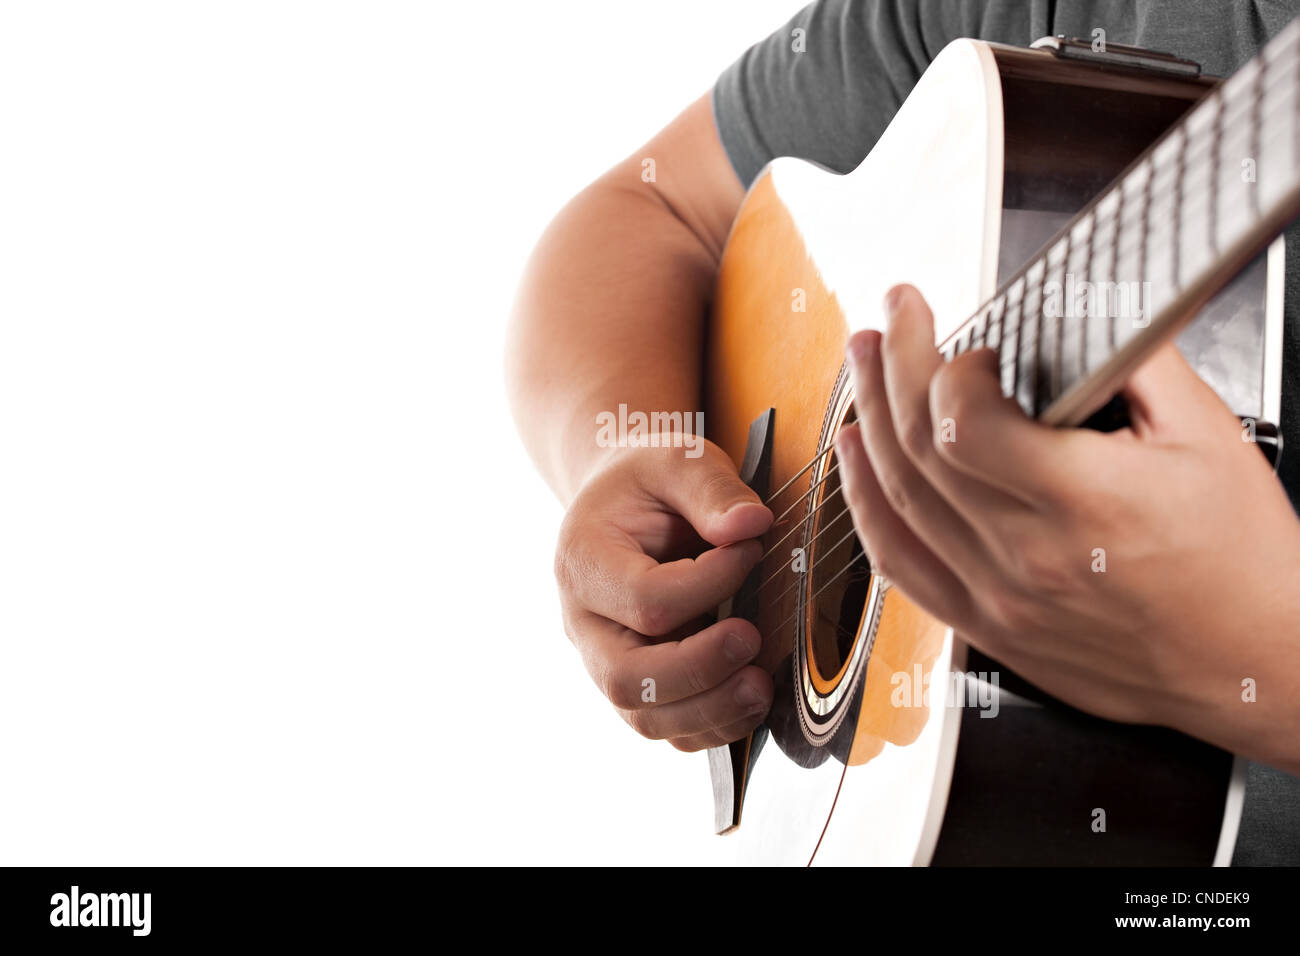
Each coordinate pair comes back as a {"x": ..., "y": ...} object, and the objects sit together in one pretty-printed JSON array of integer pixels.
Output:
[
  {"x": 611, "y": 310},
  {"x": 612, "y": 305}
]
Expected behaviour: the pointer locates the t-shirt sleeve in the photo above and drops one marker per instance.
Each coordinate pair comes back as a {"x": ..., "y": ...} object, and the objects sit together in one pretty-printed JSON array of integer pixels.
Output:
[{"x": 824, "y": 86}]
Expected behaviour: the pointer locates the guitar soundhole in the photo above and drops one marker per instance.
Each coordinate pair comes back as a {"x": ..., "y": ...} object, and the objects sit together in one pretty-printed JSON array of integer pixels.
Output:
[
  {"x": 841, "y": 595},
  {"x": 840, "y": 616}
]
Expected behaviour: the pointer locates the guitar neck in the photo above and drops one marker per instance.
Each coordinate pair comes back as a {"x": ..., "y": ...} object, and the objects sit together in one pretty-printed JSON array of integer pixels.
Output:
[{"x": 1140, "y": 260}]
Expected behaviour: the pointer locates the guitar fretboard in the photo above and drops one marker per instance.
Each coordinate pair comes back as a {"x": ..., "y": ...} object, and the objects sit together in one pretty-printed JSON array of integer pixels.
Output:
[{"x": 1164, "y": 237}]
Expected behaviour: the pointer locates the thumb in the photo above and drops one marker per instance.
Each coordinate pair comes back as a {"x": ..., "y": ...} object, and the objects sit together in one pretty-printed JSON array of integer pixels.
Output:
[
  {"x": 1166, "y": 396},
  {"x": 708, "y": 493}
]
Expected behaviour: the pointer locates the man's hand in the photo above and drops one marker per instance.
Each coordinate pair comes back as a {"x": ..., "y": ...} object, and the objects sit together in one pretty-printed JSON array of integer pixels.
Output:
[
  {"x": 652, "y": 543},
  {"x": 1148, "y": 575}
]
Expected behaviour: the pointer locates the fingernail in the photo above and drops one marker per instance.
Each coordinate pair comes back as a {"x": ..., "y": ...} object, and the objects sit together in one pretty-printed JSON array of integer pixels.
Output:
[
  {"x": 893, "y": 299},
  {"x": 741, "y": 647},
  {"x": 861, "y": 347},
  {"x": 750, "y": 697},
  {"x": 842, "y": 451}
]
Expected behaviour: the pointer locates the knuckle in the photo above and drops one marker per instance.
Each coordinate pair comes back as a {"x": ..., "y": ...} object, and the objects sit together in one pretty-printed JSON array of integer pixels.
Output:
[
  {"x": 567, "y": 565},
  {"x": 570, "y": 630},
  {"x": 885, "y": 565},
  {"x": 600, "y": 676},
  {"x": 954, "y": 421},
  {"x": 1008, "y": 609},
  {"x": 915, "y": 435},
  {"x": 702, "y": 719},
  {"x": 642, "y": 723},
  {"x": 946, "y": 387},
  {"x": 620, "y": 692},
  {"x": 560, "y": 567},
  {"x": 694, "y": 678},
  {"x": 651, "y": 615},
  {"x": 896, "y": 491},
  {"x": 1037, "y": 567},
  {"x": 851, "y": 491},
  {"x": 719, "y": 484}
]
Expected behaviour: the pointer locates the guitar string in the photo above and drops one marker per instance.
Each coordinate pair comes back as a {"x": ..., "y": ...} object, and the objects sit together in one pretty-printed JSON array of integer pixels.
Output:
[
  {"x": 777, "y": 573},
  {"x": 1032, "y": 289},
  {"x": 1116, "y": 244},
  {"x": 1012, "y": 325},
  {"x": 1258, "y": 123},
  {"x": 1027, "y": 347},
  {"x": 803, "y": 575},
  {"x": 772, "y": 550},
  {"x": 1027, "y": 293},
  {"x": 776, "y": 494},
  {"x": 994, "y": 319},
  {"x": 1186, "y": 148},
  {"x": 804, "y": 497},
  {"x": 813, "y": 597},
  {"x": 1121, "y": 241}
]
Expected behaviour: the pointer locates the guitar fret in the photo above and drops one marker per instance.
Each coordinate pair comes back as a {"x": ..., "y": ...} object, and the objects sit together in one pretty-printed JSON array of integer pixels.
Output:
[
  {"x": 1232, "y": 113},
  {"x": 1216, "y": 143},
  {"x": 994, "y": 339},
  {"x": 1175, "y": 247},
  {"x": 1145, "y": 225},
  {"x": 1114, "y": 265},
  {"x": 977, "y": 331},
  {"x": 1014, "y": 293},
  {"x": 1108, "y": 232},
  {"x": 1232, "y": 217},
  {"x": 1054, "y": 385},
  {"x": 1026, "y": 362},
  {"x": 1011, "y": 343},
  {"x": 1033, "y": 304},
  {"x": 1257, "y": 98},
  {"x": 1143, "y": 239},
  {"x": 1086, "y": 273}
]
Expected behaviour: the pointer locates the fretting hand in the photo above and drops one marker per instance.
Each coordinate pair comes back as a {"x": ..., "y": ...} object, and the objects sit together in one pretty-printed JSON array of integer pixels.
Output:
[{"x": 1148, "y": 575}]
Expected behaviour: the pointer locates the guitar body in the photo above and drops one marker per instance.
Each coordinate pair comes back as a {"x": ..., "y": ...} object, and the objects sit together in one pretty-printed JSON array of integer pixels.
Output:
[{"x": 872, "y": 753}]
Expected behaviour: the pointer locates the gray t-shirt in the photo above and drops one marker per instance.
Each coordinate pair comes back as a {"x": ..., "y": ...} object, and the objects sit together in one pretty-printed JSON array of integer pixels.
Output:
[{"x": 830, "y": 101}]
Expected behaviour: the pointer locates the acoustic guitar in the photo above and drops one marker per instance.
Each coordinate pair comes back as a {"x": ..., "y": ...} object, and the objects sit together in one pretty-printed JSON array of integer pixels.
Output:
[{"x": 1093, "y": 204}]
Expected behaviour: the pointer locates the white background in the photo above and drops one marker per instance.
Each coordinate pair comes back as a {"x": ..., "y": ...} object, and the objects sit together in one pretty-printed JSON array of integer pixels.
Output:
[{"x": 274, "y": 571}]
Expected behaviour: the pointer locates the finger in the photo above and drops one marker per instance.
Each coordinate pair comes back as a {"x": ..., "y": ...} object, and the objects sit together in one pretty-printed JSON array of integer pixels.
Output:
[
  {"x": 636, "y": 674},
  {"x": 894, "y": 551},
  {"x": 911, "y": 496},
  {"x": 604, "y": 570},
  {"x": 708, "y": 493},
  {"x": 910, "y": 363},
  {"x": 745, "y": 696},
  {"x": 718, "y": 737},
  {"x": 995, "y": 442},
  {"x": 909, "y": 360},
  {"x": 1167, "y": 398}
]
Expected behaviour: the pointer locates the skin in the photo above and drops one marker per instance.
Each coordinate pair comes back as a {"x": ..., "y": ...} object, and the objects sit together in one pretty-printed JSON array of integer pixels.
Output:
[
  {"x": 994, "y": 533},
  {"x": 611, "y": 310}
]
